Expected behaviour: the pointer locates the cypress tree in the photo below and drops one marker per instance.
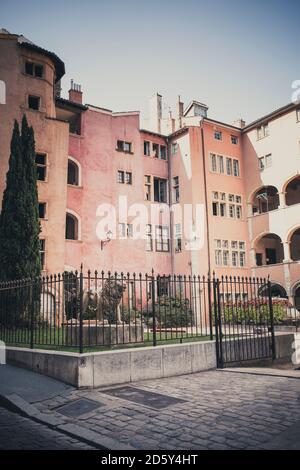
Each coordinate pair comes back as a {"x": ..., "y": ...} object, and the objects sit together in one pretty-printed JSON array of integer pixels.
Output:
[{"x": 19, "y": 219}]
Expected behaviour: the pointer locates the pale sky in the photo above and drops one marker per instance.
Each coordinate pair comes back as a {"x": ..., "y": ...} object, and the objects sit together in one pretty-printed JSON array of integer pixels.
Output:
[{"x": 239, "y": 57}]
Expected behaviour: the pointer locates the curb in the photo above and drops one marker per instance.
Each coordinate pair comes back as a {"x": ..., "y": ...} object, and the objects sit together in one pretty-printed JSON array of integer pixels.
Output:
[{"x": 17, "y": 404}]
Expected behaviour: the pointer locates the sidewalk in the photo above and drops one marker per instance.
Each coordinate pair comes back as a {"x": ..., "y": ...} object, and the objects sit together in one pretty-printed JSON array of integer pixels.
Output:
[{"x": 208, "y": 410}]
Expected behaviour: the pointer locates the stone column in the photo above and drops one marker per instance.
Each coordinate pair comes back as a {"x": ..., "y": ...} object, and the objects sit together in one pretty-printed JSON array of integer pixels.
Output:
[
  {"x": 286, "y": 251},
  {"x": 281, "y": 200}
]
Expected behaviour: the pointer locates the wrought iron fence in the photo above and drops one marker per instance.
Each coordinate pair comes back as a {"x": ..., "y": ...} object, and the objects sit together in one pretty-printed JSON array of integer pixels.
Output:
[
  {"x": 85, "y": 311},
  {"x": 94, "y": 310}
]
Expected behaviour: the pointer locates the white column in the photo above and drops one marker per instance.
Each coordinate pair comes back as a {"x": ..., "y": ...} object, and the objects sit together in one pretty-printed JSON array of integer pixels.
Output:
[
  {"x": 286, "y": 251},
  {"x": 281, "y": 200}
]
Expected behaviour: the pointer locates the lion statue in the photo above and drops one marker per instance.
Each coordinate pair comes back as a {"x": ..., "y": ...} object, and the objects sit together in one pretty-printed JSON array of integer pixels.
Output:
[{"x": 106, "y": 301}]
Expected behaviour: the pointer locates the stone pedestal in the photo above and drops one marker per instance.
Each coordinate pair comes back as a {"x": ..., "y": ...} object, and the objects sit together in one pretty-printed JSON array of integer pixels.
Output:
[{"x": 103, "y": 335}]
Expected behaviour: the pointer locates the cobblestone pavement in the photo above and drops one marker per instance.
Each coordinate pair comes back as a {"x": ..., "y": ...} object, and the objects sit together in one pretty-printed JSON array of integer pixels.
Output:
[
  {"x": 222, "y": 410},
  {"x": 18, "y": 432}
]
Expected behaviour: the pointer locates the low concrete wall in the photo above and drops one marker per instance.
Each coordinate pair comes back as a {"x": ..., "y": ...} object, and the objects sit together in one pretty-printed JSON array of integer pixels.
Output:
[{"x": 107, "y": 368}]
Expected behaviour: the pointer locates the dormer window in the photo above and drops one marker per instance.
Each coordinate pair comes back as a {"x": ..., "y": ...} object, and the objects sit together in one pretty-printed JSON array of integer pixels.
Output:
[{"x": 35, "y": 70}]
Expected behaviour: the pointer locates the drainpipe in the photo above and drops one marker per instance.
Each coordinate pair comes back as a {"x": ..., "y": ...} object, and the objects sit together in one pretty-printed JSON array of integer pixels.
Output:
[
  {"x": 170, "y": 203},
  {"x": 206, "y": 198}
]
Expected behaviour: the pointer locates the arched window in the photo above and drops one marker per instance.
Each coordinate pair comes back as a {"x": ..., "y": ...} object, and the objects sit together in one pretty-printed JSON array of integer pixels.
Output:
[
  {"x": 73, "y": 173},
  {"x": 292, "y": 192},
  {"x": 2, "y": 92},
  {"x": 72, "y": 227},
  {"x": 269, "y": 250},
  {"x": 295, "y": 245},
  {"x": 265, "y": 199},
  {"x": 276, "y": 291}
]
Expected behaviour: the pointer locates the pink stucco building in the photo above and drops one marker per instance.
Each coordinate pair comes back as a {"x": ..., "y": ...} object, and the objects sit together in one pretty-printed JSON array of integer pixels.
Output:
[{"x": 237, "y": 186}]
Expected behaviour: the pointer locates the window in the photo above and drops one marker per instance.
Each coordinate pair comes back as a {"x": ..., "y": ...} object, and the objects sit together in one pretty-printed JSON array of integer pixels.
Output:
[
  {"x": 234, "y": 140},
  {"x": 162, "y": 286},
  {"x": 215, "y": 208},
  {"x": 73, "y": 173},
  {"x": 149, "y": 240},
  {"x": 121, "y": 177},
  {"x": 34, "y": 70},
  {"x": 236, "y": 168},
  {"x": 148, "y": 188},
  {"x": 123, "y": 146},
  {"x": 242, "y": 259},
  {"x": 262, "y": 131},
  {"x": 34, "y": 102},
  {"x": 261, "y": 163},
  {"x": 221, "y": 163},
  {"x": 234, "y": 256},
  {"x": 176, "y": 189},
  {"x": 124, "y": 177},
  {"x": 229, "y": 166},
  {"x": 122, "y": 230},
  {"x": 41, "y": 166},
  {"x": 222, "y": 210},
  {"x": 128, "y": 177},
  {"x": 213, "y": 162},
  {"x": 163, "y": 152},
  {"x": 218, "y": 135},
  {"x": 225, "y": 258},
  {"x": 231, "y": 211},
  {"x": 265, "y": 161},
  {"x": 174, "y": 148},
  {"x": 218, "y": 257},
  {"x": 42, "y": 210},
  {"x": 268, "y": 160},
  {"x": 155, "y": 149},
  {"x": 129, "y": 230},
  {"x": 42, "y": 252},
  {"x": 178, "y": 238},
  {"x": 230, "y": 253},
  {"x": 238, "y": 212},
  {"x": 162, "y": 238},
  {"x": 160, "y": 190},
  {"x": 71, "y": 227},
  {"x": 146, "y": 148},
  {"x": 125, "y": 231},
  {"x": 298, "y": 114}
]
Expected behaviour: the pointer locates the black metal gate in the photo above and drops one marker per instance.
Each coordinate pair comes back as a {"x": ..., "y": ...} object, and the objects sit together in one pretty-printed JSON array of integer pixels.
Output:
[{"x": 243, "y": 318}]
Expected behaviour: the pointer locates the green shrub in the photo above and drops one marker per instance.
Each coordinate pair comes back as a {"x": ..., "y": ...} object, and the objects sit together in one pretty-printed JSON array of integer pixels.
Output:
[
  {"x": 170, "y": 312},
  {"x": 254, "y": 311}
]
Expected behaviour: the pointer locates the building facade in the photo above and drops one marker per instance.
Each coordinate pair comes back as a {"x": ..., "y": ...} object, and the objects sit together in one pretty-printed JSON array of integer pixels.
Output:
[{"x": 222, "y": 197}]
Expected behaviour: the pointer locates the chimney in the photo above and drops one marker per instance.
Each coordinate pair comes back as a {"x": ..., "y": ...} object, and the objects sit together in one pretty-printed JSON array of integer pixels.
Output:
[
  {"x": 180, "y": 109},
  {"x": 180, "y": 106},
  {"x": 155, "y": 112},
  {"x": 240, "y": 123},
  {"x": 75, "y": 93}
]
